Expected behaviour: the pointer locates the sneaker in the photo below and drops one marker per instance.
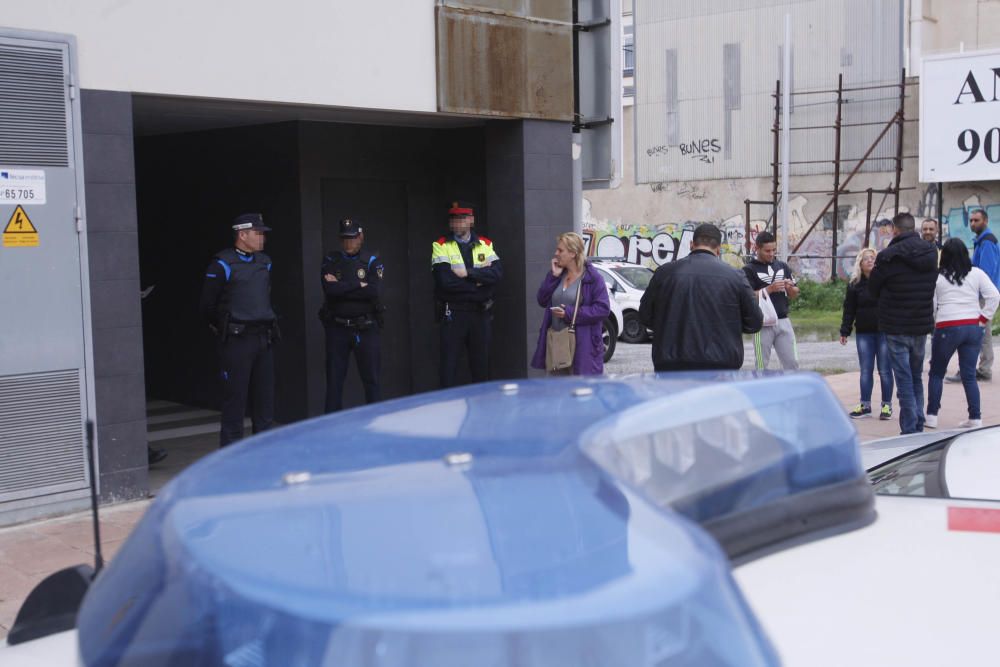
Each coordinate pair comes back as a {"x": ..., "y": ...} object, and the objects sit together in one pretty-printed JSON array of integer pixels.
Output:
[
  {"x": 885, "y": 414},
  {"x": 970, "y": 423},
  {"x": 954, "y": 379},
  {"x": 983, "y": 378},
  {"x": 155, "y": 454},
  {"x": 861, "y": 411},
  {"x": 930, "y": 421}
]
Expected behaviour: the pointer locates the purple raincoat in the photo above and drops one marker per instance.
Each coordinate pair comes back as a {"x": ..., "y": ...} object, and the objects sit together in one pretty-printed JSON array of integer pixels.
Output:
[{"x": 594, "y": 309}]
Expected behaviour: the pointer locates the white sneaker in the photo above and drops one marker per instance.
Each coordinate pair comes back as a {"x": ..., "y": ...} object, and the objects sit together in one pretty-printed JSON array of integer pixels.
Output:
[
  {"x": 970, "y": 423},
  {"x": 930, "y": 421}
]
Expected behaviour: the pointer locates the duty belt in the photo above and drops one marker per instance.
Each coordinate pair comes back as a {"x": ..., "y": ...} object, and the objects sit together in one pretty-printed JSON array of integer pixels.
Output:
[
  {"x": 354, "y": 322},
  {"x": 476, "y": 306}
]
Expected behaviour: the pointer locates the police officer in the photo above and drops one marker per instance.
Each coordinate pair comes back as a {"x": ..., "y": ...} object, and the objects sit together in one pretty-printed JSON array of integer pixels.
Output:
[
  {"x": 352, "y": 315},
  {"x": 466, "y": 270},
  {"x": 236, "y": 303}
]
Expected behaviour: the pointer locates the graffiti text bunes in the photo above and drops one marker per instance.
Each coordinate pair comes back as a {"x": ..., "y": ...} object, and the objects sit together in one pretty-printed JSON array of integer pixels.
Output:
[
  {"x": 657, "y": 150},
  {"x": 701, "y": 149}
]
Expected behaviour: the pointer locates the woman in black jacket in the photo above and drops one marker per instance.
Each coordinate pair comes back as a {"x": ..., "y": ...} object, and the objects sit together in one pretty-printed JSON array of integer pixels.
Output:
[{"x": 861, "y": 311}]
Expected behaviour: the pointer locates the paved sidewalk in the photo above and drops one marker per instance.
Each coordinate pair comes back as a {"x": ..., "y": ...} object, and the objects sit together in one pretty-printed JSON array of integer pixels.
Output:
[{"x": 29, "y": 552}]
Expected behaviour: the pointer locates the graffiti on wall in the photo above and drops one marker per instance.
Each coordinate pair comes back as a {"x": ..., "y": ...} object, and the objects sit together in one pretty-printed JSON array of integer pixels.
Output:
[{"x": 656, "y": 243}]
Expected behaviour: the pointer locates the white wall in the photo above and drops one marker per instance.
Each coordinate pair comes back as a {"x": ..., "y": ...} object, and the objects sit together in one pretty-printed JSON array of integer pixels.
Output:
[{"x": 368, "y": 54}]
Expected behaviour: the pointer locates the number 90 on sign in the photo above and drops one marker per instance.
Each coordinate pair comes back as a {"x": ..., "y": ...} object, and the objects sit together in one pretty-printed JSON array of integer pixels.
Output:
[{"x": 970, "y": 142}]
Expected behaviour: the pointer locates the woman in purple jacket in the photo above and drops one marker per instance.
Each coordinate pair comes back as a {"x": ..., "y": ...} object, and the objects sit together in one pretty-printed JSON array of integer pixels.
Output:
[{"x": 557, "y": 295}]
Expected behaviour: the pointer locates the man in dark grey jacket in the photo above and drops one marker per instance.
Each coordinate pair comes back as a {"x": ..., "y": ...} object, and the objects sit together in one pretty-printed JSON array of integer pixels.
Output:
[
  {"x": 698, "y": 309},
  {"x": 903, "y": 282}
]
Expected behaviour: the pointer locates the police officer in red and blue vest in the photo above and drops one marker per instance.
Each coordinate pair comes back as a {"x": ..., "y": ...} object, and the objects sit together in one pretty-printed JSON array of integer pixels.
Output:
[
  {"x": 466, "y": 270},
  {"x": 352, "y": 315},
  {"x": 236, "y": 303}
]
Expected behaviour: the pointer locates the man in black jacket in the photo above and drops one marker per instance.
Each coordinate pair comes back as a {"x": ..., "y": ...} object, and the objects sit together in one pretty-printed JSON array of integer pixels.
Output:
[
  {"x": 903, "y": 282},
  {"x": 698, "y": 309}
]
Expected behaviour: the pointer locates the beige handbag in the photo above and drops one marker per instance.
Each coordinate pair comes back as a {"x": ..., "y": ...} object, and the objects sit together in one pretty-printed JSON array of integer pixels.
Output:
[{"x": 560, "y": 346}]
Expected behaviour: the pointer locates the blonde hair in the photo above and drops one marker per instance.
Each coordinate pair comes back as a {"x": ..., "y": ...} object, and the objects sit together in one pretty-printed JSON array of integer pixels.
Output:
[
  {"x": 856, "y": 271},
  {"x": 573, "y": 243}
]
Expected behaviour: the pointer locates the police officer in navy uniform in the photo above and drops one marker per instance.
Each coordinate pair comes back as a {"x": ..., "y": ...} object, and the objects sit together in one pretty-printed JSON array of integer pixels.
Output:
[
  {"x": 352, "y": 315},
  {"x": 236, "y": 303},
  {"x": 466, "y": 270}
]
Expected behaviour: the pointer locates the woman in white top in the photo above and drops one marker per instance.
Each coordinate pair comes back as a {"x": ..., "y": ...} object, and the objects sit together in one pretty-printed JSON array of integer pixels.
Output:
[{"x": 958, "y": 326}]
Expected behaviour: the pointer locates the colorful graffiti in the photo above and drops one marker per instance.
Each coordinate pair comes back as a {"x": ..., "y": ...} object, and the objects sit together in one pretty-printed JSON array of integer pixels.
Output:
[{"x": 657, "y": 243}]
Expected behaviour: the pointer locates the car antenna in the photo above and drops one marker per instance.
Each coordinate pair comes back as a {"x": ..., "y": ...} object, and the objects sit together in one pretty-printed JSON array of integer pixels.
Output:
[{"x": 98, "y": 558}]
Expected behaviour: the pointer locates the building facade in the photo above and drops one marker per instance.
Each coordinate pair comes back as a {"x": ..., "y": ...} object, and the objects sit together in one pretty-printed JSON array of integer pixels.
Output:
[
  {"x": 192, "y": 113},
  {"x": 715, "y": 110}
]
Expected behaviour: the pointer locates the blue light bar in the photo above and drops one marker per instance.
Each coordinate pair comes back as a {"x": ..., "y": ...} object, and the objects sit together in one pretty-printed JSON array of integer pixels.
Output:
[{"x": 499, "y": 524}]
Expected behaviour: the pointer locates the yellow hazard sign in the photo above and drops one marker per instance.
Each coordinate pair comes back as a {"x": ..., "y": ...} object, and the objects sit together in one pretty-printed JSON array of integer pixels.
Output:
[{"x": 19, "y": 232}]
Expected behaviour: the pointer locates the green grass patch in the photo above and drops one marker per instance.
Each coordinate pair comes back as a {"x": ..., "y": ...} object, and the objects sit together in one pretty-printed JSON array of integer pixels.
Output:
[{"x": 819, "y": 296}]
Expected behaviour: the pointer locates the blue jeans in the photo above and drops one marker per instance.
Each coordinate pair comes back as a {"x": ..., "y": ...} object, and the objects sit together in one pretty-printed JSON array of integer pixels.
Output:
[
  {"x": 967, "y": 339},
  {"x": 907, "y": 356},
  {"x": 872, "y": 346}
]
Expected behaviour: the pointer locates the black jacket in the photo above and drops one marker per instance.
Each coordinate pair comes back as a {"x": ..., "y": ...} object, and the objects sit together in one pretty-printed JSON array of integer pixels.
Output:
[
  {"x": 860, "y": 309},
  {"x": 903, "y": 283},
  {"x": 760, "y": 275},
  {"x": 698, "y": 309},
  {"x": 345, "y": 297}
]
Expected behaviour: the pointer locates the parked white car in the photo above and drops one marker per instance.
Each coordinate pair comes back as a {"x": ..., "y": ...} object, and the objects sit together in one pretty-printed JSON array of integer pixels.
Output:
[
  {"x": 612, "y": 326},
  {"x": 628, "y": 282}
]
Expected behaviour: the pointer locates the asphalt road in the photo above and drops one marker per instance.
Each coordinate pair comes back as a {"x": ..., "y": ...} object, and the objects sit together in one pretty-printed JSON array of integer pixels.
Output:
[{"x": 823, "y": 357}]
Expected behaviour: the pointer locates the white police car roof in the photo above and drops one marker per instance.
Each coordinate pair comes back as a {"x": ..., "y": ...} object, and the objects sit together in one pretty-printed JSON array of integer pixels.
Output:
[{"x": 543, "y": 522}]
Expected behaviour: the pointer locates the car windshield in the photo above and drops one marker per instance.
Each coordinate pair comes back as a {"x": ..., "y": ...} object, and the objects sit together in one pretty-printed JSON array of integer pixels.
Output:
[{"x": 636, "y": 276}]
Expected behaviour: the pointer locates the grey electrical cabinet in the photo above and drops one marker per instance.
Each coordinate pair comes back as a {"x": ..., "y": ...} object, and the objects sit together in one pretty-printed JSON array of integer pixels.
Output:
[{"x": 46, "y": 370}]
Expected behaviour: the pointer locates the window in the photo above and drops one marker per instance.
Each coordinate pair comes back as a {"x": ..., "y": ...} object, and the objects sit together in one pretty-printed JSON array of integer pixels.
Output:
[{"x": 628, "y": 51}]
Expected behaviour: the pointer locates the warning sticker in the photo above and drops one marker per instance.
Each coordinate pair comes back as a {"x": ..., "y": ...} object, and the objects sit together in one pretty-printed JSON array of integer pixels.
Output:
[
  {"x": 19, "y": 232},
  {"x": 22, "y": 186}
]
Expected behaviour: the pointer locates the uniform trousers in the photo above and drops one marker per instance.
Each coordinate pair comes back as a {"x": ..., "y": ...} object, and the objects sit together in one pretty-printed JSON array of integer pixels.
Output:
[
  {"x": 471, "y": 330},
  {"x": 341, "y": 341},
  {"x": 247, "y": 362}
]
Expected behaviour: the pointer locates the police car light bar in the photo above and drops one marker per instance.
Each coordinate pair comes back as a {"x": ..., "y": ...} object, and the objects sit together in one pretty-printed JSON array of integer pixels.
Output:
[{"x": 544, "y": 522}]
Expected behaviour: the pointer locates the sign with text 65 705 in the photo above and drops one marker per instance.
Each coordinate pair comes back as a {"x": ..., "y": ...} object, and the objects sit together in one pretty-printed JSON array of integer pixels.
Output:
[
  {"x": 960, "y": 117},
  {"x": 22, "y": 186}
]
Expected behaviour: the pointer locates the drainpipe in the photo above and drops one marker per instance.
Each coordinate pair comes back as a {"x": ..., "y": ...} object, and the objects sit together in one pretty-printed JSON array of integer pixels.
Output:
[{"x": 916, "y": 45}]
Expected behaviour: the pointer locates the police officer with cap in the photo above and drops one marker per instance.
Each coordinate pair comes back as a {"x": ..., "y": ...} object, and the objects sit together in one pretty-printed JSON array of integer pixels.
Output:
[
  {"x": 236, "y": 303},
  {"x": 466, "y": 270},
  {"x": 352, "y": 315}
]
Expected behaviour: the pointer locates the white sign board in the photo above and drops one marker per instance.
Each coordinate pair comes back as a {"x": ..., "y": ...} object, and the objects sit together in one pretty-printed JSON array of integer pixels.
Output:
[
  {"x": 22, "y": 186},
  {"x": 960, "y": 117}
]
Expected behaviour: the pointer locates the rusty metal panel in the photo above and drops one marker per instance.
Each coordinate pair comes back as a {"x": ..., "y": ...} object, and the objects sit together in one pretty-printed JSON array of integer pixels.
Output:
[
  {"x": 495, "y": 64},
  {"x": 550, "y": 10}
]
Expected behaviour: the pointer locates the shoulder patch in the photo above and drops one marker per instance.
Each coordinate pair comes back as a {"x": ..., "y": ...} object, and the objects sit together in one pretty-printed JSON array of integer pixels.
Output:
[
  {"x": 485, "y": 240},
  {"x": 440, "y": 241}
]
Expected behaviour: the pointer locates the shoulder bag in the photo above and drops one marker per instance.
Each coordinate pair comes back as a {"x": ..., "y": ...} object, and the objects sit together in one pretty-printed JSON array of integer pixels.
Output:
[{"x": 560, "y": 346}]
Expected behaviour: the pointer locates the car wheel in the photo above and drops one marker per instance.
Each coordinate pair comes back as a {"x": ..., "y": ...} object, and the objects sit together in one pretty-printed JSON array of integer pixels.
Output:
[
  {"x": 634, "y": 331},
  {"x": 609, "y": 336}
]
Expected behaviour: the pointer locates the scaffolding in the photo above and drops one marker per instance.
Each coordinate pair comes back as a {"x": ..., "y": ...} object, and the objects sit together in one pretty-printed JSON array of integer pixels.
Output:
[{"x": 897, "y": 122}]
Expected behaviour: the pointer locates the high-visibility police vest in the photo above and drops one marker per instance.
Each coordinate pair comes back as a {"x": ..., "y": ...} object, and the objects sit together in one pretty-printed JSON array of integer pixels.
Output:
[{"x": 446, "y": 251}]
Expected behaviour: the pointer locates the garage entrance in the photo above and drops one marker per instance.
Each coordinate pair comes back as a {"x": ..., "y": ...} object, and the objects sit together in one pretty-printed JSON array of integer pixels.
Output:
[{"x": 199, "y": 164}]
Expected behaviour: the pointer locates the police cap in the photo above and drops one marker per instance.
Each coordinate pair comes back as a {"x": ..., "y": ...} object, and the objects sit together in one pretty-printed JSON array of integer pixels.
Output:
[
  {"x": 460, "y": 208},
  {"x": 250, "y": 221},
  {"x": 349, "y": 228}
]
